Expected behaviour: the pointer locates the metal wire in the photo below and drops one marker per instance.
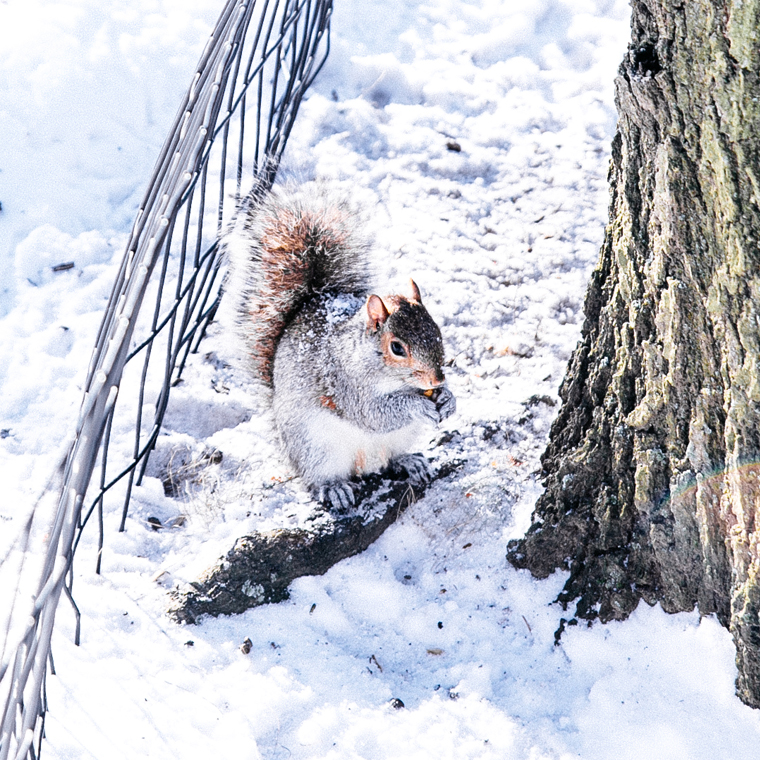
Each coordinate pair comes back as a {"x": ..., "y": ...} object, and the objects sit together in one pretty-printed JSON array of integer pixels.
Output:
[{"x": 229, "y": 132}]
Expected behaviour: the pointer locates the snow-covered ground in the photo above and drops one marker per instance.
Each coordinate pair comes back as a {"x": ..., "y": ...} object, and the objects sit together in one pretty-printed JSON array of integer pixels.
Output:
[{"x": 501, "y": 235}]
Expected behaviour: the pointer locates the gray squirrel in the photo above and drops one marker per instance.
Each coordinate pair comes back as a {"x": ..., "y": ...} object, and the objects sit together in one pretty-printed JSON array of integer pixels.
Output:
[{"x": 353, "y": 376}]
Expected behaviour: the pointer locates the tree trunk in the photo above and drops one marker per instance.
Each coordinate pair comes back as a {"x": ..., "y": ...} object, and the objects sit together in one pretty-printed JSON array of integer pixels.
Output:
[{"x": 653, "y": 466}]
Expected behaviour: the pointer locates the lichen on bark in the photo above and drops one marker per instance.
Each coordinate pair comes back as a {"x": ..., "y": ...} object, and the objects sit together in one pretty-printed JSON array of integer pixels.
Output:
[{"x": 652, "y": 476}]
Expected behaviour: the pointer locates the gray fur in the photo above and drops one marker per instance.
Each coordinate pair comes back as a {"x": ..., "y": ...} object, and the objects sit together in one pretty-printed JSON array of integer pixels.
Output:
[
  {"x": 343, "y": 268},
  {"x": 340, "y": 406}
]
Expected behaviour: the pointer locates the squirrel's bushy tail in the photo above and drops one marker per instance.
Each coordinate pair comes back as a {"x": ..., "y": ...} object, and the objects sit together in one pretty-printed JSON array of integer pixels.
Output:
[{"x": 287, "y": 245}]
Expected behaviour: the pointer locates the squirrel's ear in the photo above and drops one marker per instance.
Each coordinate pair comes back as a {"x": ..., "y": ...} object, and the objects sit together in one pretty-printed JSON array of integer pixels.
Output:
[
  {"x": 376, "y": 312},
  {"x": 414, "y": 292}
]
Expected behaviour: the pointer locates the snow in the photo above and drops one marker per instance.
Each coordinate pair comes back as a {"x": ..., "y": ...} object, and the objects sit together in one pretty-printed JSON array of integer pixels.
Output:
[{"x": 476, "y": 134}]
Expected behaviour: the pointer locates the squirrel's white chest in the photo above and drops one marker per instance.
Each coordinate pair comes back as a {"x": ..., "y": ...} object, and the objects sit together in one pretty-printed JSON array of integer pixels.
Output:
[{"x": 351, "y": 450}]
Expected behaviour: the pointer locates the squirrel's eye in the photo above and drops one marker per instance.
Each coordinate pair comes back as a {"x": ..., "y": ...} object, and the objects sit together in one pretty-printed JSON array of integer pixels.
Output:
[{"x": 397, "y": 348}]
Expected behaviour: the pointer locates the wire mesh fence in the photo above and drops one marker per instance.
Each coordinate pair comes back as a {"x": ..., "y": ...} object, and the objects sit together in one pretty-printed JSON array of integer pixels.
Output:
[{"x": 229, "y": 132}]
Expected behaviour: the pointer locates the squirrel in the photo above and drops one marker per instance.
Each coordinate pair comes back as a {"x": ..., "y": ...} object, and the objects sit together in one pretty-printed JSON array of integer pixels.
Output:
[{"x": 353, "y": 376}]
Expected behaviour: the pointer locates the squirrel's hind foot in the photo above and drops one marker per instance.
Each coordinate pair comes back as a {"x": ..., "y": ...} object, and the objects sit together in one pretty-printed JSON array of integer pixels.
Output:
[
  {"x": 338, "y": 496},
  {"x": 412, "y": 467}
]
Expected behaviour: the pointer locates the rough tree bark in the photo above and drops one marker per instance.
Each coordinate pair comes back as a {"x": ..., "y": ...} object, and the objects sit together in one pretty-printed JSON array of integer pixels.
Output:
[{"x": 652, "y": 474}]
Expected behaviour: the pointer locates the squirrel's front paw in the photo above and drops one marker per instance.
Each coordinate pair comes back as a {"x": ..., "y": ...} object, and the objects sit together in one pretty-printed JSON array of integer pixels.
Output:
[
  {"x": 428, "y": 410},
  {"x": 414, "y": 467},
  {"x": 338, "y": 496},
  {"x": 445, "y": 404}
]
